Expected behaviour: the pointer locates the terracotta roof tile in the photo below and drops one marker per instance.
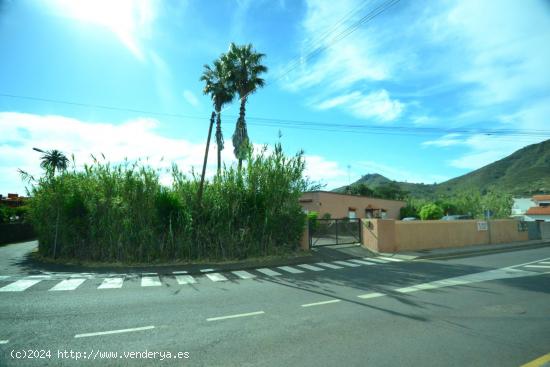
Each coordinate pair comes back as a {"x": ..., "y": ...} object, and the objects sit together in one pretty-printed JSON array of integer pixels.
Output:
[
  {"x": 538, "y": 210},
  {"x": 541, "y": 197}
]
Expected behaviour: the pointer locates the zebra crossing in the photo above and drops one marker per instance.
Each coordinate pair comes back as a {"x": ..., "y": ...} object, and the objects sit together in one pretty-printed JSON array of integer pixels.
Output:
[
  {"x": 541, "y": 266},
  {"x": 71, "y": 282}
]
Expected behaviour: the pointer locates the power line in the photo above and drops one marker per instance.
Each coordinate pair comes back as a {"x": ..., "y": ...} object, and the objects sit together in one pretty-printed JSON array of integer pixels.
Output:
[
  {"x": 346, "y": 32},
  {"x": 313, "y": 125}
]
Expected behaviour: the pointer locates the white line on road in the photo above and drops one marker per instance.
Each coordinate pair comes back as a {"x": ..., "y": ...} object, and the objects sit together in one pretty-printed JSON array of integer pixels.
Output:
[
  {"x": 243, "y": 274},
  {"x": 206, "y": 270},
  {"x": 235, "y": 316},
  {"x": 371, "y": 295},
  {"x": 4, "y": 277},
  {"x": 114, "y": 331},
  {"x": 376, "y": 260},
  {"x": 345, "y": 263},
  {"x": 330, "y": 266},
  {"x": 179, "y": 272},
  {"x": 150, "y": 281},
  {"x": 20, "y": 285},
  {"x": 110, "y": 283},
  {"x": 290, "y": 269},
  {"x": 321, "y": 303},
  {"x": 185, "y": 279},
  {"x": 504, "y": 273},
  {"x": 310, "y": 267},
  {"x": 538, "y": 266},
  {"x": 4, "y": 341},
  {"x": 363, "y": 262},
  {"x": 544, "y": 262},
  {"x": 268, "y": 272},
  {"x": 39, "y": 277},
  {"x": 389, "y": 258},
  {"x": 216, "y": 277},
  {"x": 68, "y": 284}
]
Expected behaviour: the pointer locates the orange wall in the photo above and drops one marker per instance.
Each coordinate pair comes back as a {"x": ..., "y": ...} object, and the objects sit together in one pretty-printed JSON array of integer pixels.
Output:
[
  {"x": 337, "y": 205},
  {"x": 395, "y": 236}
]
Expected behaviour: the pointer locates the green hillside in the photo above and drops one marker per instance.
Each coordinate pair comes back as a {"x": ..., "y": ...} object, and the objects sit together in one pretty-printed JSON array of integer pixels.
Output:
[{"x": 523, "y": 173}]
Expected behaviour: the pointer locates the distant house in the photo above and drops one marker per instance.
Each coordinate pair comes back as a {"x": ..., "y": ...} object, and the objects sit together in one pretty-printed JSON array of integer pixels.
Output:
[
  {"x": 520, "y": 207},
  {"x": 349, "y": 206},
  {"x": 541, "y": 210},
  {"x": 12, "y": 200}
]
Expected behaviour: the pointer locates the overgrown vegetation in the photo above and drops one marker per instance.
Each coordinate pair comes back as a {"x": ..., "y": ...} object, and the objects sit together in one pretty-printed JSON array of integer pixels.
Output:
[
  {"x": 122, "y": 213},
  {"x": 468, "y": 202}
]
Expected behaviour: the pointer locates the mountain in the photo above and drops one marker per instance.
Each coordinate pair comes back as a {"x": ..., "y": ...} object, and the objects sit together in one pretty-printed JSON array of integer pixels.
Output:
[{"x": 523, "y": 173}]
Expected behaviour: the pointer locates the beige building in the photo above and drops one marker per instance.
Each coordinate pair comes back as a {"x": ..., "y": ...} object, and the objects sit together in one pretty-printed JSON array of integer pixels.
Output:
[{"x": 349, "y": 206}]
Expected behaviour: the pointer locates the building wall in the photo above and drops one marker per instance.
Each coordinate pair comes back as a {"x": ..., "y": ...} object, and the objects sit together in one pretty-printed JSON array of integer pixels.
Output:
[
  {"x": 338, "y": 204},
  {"x": 532, "y": 217},
  {"x": 396, "y": 236}
]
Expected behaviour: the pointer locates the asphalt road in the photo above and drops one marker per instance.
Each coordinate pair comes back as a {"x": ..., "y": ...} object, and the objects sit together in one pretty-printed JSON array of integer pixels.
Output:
[{"x": 385, "y": 314}]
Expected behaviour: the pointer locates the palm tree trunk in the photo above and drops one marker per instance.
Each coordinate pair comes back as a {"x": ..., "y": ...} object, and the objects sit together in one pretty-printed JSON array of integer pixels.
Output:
[
  {"x": 219, "y": 140},
  {"x": 201, "y": 186},
  {"x": 242, "y": 135}
]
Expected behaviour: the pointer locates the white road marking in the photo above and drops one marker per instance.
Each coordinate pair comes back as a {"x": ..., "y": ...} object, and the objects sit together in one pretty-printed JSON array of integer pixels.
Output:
[
  {"x": 39, "y": 277},
  {"x": 4, "y": 277},
  {"x": 269, "y": 272},
  {"x": 150, "y": 281},
  {"x": 82, "y": 275},
  {"x": 20, "y": 285},
  {"x": 538, "y": 266},
  {"x": 68, "y": 284},
  {"x": 371, "y": 295},
  {"x": 345, "y": 263},
  {"x": 330, "y": 266},
  {"x": 376, "y": 260},
  {"x": 311, "y": 267},
  {"x": 216, "y": 277},
  {"x": 363, "y": 262},
  {"x": 4, "y": 341},
  {"x": 185, "y": 279},
  {"x": 235, "y": 316},
  {"x": 503, "y": 273},
  {"x": 114, "y": 332},
  {"x": 243, "y": 274},
  {"x": 110, "y": 283},
  {"x": 321, "y": 303},
  {"x": 206, "y": 270},
  {"x": 544, "y": 262},
  {"x": 290, "y": 269},
  {"x": 389, "y": 258},
  {"x": 179, "y": 272}
]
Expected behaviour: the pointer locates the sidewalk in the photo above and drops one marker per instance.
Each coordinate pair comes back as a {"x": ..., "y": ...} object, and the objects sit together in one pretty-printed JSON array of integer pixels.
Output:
[{"x": 469, "y": 250}]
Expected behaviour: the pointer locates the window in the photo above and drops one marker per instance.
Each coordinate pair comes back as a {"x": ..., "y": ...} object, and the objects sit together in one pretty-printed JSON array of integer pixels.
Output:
[{"x": 351, "y": 213}]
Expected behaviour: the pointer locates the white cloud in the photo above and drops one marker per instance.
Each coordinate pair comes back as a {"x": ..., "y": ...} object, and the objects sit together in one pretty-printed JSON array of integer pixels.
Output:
[
  {"x": 373, "y": 105},
  {"x": 190, "y": 98},
  {"x": 325, "y": 172},
  {"x": 133, "y": 139},
  {"x": 445, "y": 141},
  {"x": 129, "y": 20}
]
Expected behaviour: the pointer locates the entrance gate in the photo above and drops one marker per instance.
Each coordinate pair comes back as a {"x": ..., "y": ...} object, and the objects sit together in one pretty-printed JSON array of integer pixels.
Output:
[{"x": 324, "y": 232}]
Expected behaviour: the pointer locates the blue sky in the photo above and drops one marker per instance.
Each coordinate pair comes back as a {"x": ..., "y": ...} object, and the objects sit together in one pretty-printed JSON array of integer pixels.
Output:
[{"x": 409, "y": 79}]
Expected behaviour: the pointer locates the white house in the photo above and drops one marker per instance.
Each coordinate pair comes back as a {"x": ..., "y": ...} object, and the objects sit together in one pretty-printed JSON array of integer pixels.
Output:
[
  {"x": 541, "y": 210},
  {"x": 520, "y": 207}
]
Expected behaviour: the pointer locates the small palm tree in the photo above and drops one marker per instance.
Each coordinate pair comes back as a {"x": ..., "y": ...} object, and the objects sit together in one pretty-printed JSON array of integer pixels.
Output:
[
  {"x": 246, "y": 69},
  {"x": 217, "y": 85},
  {"x": 53, "y": 160}
]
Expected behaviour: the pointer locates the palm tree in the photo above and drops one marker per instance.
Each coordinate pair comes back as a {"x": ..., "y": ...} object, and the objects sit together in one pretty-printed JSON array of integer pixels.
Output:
[
  {"x": 217, "y": 85},
  {"x": 246, "y": 69},
  {"x": 53, "y": 160}
]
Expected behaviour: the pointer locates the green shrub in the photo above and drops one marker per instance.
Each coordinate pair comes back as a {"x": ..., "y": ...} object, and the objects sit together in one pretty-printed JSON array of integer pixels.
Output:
[
  {"x": 430, "y": 212},
  {"x": 123, "y": 213}
]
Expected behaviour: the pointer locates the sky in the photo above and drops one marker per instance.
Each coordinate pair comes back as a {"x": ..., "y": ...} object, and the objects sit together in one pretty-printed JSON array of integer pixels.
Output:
[{"x": 414, "y": 93}]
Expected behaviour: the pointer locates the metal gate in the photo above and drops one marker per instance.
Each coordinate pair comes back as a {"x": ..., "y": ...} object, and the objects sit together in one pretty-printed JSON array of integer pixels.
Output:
[{"x": 334, "y": 231}]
